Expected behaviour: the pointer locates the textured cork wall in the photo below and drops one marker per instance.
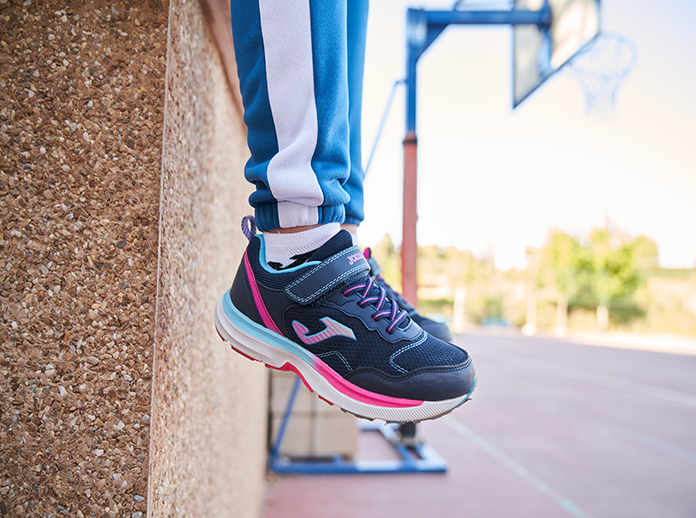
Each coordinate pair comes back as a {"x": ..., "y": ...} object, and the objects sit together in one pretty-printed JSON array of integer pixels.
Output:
[
  {"x": 82, "y": 97},
  {"x": 207, "y": 445},
  {"x": 81, "y": 100}
]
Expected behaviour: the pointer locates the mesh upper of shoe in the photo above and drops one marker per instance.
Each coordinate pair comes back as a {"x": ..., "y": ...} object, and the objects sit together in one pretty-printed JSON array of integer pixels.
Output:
[{"x": 369, "y": 349}]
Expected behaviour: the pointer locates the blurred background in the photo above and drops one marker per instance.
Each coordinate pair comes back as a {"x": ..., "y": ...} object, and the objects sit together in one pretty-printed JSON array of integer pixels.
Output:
[
  {"x": 595, "y": 210},
  {"x": 561, "y": 248}
]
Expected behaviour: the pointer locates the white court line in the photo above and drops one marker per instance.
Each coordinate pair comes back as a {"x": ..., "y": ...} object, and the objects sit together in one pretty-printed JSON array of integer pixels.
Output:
[
  {"x": 669, "y": 344},
  {"x": 516, "y": 468},
  {"x": 640, "y": 438},
  {"x": 642, "y": 389}
]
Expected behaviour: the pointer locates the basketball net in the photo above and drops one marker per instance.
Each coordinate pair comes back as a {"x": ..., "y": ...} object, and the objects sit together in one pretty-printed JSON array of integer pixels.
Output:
[{"x": 601, "y": 68}]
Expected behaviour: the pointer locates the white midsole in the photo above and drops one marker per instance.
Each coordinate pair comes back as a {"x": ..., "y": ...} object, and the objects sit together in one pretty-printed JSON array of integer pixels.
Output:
[{"x": 276, "y": 357}]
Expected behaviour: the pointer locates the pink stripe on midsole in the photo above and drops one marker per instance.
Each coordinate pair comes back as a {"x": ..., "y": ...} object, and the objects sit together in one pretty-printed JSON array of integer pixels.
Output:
[
  {"x": 260, "y": 306},
  {"x": 289, "y": 367},
  {"x": 364, "y": 396}
]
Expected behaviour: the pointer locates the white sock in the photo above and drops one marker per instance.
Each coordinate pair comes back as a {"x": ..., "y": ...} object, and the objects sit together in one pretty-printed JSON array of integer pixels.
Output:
[
  {"x": 355, "y": 239},
  {"x": 287, "y": 250}
]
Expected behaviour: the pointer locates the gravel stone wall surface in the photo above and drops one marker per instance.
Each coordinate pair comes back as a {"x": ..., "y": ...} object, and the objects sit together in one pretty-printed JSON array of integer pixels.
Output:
[
  {"x": 209, "y": 404},
  {"x": 81, "y": 101}
]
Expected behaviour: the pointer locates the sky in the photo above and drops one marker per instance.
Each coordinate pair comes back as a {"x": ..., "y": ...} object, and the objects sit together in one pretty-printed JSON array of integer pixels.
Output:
[{"x": 491, "y": 178}]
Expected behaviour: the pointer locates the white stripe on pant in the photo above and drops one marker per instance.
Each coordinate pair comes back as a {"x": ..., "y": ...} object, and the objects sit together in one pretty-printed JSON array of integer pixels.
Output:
[{"x": 287, "y": 39}]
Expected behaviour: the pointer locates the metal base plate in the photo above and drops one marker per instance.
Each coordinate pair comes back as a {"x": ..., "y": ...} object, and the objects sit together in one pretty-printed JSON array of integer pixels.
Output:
[{"x": 417, "y": 459}]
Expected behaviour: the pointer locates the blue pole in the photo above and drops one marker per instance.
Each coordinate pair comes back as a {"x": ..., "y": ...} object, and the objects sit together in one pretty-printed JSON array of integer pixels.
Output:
[
  {"x": 381, "y": 124},
  {"x": 512, "y": 17},
  {"x": 416, "y": 35},
  {"x": 286, "y": 417},
  {"x": 422, "y": 29}
]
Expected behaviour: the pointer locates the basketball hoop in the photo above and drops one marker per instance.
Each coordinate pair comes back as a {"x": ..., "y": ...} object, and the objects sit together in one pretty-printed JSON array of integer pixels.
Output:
[{"x": 600, "y": 68}]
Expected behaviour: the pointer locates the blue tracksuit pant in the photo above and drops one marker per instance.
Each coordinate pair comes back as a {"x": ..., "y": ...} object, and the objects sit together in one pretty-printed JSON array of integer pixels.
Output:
[{"x": 300, "y": 66}]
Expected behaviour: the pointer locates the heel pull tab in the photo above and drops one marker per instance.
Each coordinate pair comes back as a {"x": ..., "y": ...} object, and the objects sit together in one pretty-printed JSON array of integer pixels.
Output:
[{"x": 249, "y": 228}]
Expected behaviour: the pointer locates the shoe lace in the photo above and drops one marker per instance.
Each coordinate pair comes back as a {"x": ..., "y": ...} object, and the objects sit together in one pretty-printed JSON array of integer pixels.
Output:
[
  {"x": 395, "y": 295},
  {"x": 376, "y": 295},
  {"x": 391, "y": 292}
]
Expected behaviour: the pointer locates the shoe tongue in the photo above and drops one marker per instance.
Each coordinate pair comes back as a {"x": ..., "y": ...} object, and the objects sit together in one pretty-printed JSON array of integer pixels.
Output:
[{"x": 339, "y": 242}]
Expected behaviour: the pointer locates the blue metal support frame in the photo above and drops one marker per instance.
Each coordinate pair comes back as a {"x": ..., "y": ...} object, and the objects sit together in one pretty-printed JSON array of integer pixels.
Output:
[
  {"x": 418, "y": 459},
  {"x": 422, "y": 29},
  {"x": 387, "y": 108}
]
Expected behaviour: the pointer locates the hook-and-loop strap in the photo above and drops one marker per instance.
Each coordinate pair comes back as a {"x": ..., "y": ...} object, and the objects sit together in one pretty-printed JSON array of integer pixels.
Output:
[{"x": 325, "y": 277}]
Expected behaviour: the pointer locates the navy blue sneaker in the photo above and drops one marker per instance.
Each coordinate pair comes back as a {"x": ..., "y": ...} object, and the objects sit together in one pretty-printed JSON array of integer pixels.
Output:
[
  {"x": 330, "y": 323},
  {"x": 437, "y": 329}
]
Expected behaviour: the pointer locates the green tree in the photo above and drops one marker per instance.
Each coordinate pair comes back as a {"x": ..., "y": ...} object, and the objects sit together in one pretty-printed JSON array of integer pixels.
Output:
[
  {"x": 615, "y": 269},
  {"x": 607, "y": 267},
  {"x": 389, "y": 260},
  {"x": 562, "y": 254},
  {"x": 645, "y": 254},
  {"x": 562, "y": 258}
]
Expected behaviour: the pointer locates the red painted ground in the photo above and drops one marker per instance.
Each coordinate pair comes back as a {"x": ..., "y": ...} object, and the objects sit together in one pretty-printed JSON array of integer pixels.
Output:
[{"x": 555, "y": 429}]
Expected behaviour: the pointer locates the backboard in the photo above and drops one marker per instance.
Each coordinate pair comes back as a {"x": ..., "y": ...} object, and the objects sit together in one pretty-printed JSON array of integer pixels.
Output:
[{"x": 539, "y": 52}]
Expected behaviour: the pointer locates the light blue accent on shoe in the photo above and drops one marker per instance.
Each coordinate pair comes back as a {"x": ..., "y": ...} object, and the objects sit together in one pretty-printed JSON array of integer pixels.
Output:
[
  {"x": 264, "y": 334},
  {"x": 264, "y": 265}
]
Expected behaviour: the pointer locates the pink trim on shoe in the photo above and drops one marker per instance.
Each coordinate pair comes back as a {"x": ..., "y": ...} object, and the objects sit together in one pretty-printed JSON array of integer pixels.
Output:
[
  {"x": 289, "y": 367},
  {"x": 364, "y": 396},
  {"x": 260, "y": 306}
]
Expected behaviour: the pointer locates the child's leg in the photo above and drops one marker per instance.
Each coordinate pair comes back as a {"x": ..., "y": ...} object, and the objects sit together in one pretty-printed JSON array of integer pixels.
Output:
[{"x": 291, "y": 59}]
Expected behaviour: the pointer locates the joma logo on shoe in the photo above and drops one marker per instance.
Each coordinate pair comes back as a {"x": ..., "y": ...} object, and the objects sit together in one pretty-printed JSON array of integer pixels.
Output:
[
  {"x": 354, "y": 258},
  {"x": 333, "y": 328}
]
